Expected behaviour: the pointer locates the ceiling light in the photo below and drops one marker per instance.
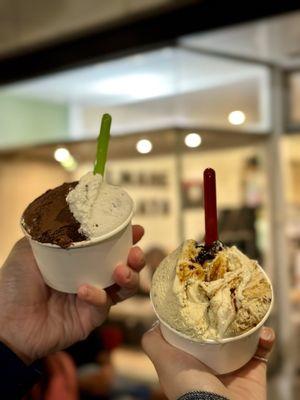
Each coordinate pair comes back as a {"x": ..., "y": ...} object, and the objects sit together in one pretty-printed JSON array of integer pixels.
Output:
[
  {"x": 61, "y": 154},
  {"x": 65, "y": 158},
  {"x": 193, "y": 140},
  {"x": 144, "y": 146},
  {"x": 133, "y": 85},
  {"x": 236, "y": 117}
]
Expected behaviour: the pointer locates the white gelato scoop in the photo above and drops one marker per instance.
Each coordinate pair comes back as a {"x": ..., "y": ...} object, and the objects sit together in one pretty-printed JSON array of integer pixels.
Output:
[{"x": 97, "y": 206}]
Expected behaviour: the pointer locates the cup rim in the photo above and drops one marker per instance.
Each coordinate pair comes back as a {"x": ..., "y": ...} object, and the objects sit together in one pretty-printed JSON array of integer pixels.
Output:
[
  {"x": 83, "y": 243},
  {"x": 224, "y": 340}
]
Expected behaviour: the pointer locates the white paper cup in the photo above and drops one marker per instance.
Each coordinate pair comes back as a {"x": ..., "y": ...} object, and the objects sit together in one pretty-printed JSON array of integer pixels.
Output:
[
  {"x": 222, "y": 356},
  {"x": 90, "y": 261}
]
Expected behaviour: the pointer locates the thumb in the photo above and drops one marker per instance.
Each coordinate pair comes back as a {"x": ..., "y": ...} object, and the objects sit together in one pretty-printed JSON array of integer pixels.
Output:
[
  {"x": 266, "y": 342},
  {"x": 93, "y": 306}
]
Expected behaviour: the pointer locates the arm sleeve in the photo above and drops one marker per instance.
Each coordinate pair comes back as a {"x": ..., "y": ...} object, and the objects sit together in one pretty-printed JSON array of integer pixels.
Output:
[
  {"x": 16, "y": 378},
  {"x": 201, "y": 396}
]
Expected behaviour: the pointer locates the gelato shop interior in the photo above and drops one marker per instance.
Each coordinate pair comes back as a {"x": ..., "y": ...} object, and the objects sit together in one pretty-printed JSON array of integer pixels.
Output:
[{"x": 226, "y": 98}]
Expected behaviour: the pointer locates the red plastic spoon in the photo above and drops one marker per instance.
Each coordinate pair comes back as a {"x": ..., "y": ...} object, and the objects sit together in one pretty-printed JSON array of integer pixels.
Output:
[{"x": 210, "y": 207}]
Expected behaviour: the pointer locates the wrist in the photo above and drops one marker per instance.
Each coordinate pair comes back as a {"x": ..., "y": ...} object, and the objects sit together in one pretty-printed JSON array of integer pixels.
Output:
[{"x": 22, "y": 354}]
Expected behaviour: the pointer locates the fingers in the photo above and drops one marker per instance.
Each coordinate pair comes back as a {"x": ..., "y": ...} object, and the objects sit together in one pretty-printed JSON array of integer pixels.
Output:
[
  {"x": 137, "y": 233},
  {"x": 178, "y": 371},
  {"x": 127, "y": 282},
  {"x": 93, "y": 306},
  {"x": 92, "y": 295},
  {"x": 125, "y": 277},
  {"x": 267, "y": 338},
  {"x": 136, "y": 259},
  {"x": 266, "y": 342}
]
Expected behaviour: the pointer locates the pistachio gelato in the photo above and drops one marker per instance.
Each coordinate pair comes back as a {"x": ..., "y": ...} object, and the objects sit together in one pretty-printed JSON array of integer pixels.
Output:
[{"x": 210, "y": 294}]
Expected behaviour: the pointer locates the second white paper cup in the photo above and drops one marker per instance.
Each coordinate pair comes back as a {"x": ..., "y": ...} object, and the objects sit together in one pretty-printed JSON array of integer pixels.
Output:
[
  {"x": 223, "y": 356},
  {"x": 92, "y": 261}
]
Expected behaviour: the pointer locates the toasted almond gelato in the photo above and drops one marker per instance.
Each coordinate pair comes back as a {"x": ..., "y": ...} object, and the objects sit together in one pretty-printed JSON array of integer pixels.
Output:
[{"x": 210, "y": 296}]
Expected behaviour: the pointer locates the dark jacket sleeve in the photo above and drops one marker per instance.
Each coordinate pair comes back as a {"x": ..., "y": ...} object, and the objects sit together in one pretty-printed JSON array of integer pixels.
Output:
[
  {"x": 16, "y": 378},
  {"x": 201, "y": 396}
]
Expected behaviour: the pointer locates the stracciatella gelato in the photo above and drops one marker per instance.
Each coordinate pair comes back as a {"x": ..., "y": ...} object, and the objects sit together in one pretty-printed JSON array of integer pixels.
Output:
[
  {"x": 98, "y": 206},
  {"x": 210, "y": 294}
]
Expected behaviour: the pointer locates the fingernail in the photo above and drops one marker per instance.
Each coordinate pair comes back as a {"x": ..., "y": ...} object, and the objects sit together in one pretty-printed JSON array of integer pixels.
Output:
[{"x": 267, "y": 333}]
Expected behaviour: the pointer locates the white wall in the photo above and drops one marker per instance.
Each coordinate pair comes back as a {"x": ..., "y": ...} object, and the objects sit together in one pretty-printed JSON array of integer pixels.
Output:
[{"x": 20, "y": 183}]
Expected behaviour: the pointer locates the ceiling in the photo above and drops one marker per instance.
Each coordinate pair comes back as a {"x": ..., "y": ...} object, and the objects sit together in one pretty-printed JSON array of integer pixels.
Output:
[
  {"x": 205, "y": 108},
  {"x": 150, "y": 75},
  {"x": 177, "y": 86},
  {"x": 274, "y": 39}
]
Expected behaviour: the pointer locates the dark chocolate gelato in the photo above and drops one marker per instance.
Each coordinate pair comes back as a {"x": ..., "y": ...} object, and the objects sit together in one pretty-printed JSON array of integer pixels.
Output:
[{"x": 48, "y": 218}]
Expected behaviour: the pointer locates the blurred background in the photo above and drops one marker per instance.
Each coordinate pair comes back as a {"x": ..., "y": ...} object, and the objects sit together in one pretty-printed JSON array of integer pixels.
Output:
[{"x": 190, "y": 85}]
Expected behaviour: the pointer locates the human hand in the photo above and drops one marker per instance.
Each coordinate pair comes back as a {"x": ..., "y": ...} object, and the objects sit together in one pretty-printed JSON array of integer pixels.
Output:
[
  {"x": 180, "y": 373},
  {"x": 36, "y": 320}
]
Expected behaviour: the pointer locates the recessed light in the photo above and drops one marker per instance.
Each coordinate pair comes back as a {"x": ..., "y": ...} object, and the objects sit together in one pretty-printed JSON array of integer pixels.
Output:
[
  {"x": 145, "y": 85},
  {"x": 236, "y": 117},
  {"x": 65, "y": 158},
  {"x": 193, "y": 140},
  {"x": 61, "y": 154},
  {"x": 144, "y": 146}
]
